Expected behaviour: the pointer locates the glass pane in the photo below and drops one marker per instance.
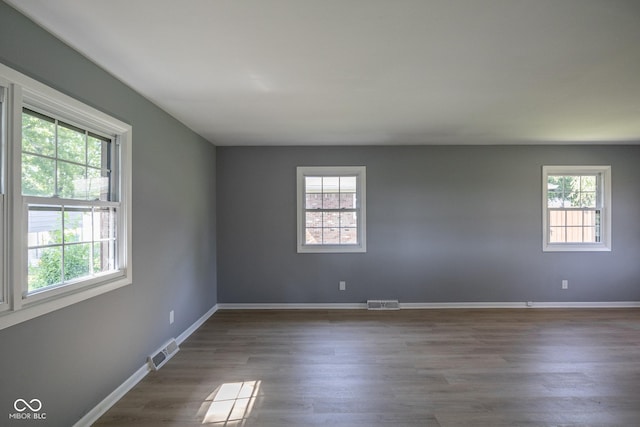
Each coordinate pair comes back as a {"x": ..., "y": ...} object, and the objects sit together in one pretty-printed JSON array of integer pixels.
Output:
[
  {"x": 349, "y": 236},
  {"x": 104, "y": 224},
  {"x": 557, "y": 218},
  {"x": 588, "y": 199},
  {"x": 347, "y": 184},
  {"x": 38, "y": 176},
  {"x": 103, "y": 256},
  {"x": 313, "y": 219},
  {"x": 557, "y": 235},
  {"x": 331, "y": 219},
  {"x": 574, "y": 218},
  {"x": 331, "y": 236},
  {"x": 348, "y": 219},
  {"x": 45, "y": 226},
  {"x": 572, "y": 197},
  {"x": 588, "y": 183},
  {"x": 97, "y": 152},
  {"x": 77, "y": 225},
  {"x": 574, "y": 235},
  {"x": 556, "y": 183},
  {"x": 347, "y": 200},
  {"x": 97, "y": 184},
  {"x": 38, "y": 135},
  {"x": 563, "y": 191},
  {"x": 77, "y": 261},
  {"x": 72, "y": 144},
  {"x": 313, "y": 184},
  {"x": 554, "y": 200},
  {"x": 331, "y": 201},
  {"x": 313, "y": 201},
  {"x": 72, "y": 181},
  {"x": 330, "y": 184},
  {"x": 44, "y": 267},
  {"x": 313, "y": 236},
  {"x": 589, "y": 234},
  {"x": 589, "y": 218}
]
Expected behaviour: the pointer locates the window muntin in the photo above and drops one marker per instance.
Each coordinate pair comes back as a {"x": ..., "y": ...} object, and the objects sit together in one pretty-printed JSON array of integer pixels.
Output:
[
  {"x": 331, "y": 209},
  {"x": 577, "y": 202}
]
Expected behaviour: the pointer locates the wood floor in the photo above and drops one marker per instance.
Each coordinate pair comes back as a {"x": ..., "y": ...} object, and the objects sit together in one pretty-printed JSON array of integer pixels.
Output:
[{"x": 537, "y": 367}]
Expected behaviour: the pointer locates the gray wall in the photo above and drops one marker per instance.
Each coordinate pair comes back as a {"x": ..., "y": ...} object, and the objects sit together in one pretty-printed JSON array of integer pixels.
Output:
[
  {"x": 72, "y": 358},
  {"x": 444, "y": 224}
]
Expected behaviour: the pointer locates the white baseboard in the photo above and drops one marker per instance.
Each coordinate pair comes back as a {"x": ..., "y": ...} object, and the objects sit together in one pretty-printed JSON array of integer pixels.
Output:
[
  {"x": 578, "y": 304},
  {"x": 454, "y": 305},
  {"x": 94, "y": 414},
  {"x": 191, "y": 329},
  {"x": 432, "y": 305},
  {"x": 293, "y": 306}
]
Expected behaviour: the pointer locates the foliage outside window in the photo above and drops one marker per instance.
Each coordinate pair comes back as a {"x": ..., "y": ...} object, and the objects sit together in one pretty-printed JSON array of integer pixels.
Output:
[
  {"x": 577, "y": 208},
  {"x": 331, "y": 209}
]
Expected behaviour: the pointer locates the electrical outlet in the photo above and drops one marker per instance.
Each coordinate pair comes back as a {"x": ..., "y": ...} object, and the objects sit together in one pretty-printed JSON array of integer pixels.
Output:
[
  {"x": 171, "y": 317},
  {"x": 343, "y": 285},
  {"x": 565, "y": 284}
]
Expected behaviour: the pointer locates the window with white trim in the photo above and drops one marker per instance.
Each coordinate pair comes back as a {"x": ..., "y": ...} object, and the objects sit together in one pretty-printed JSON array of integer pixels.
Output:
[
  {"x": 331, "y": 209},
  {"x": 68, "y": 197},
  {"x": 577, "y": 208}
]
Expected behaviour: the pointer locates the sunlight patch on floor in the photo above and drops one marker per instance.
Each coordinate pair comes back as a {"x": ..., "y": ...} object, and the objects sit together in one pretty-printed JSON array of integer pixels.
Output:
[{"x": 230, "y": 404}]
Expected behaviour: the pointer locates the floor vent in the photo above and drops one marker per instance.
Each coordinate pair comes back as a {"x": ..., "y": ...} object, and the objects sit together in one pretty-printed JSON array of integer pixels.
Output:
[
  {"x": 163, "y": 355},
  {"x": 383, "y": 304}
]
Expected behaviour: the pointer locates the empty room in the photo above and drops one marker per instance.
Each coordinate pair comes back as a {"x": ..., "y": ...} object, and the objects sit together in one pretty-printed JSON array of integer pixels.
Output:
[{"x": 319, "y": 212}]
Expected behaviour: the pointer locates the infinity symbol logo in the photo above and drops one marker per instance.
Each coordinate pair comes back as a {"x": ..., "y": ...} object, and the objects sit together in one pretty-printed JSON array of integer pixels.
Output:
[{"x": 21, "y": 405}]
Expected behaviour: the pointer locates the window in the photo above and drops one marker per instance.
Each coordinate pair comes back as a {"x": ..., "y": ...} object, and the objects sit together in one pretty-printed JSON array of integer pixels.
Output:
[
  {"x": 68, "y": 197},
  {"x": 66, "y": 183},
  {"x": 577, "y": 208},
  {"x": 331, "y": 209}
]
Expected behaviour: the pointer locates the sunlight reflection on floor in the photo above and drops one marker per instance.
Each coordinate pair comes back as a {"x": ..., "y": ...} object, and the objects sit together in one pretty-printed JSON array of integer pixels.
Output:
[{"x": 230, "y": 404}]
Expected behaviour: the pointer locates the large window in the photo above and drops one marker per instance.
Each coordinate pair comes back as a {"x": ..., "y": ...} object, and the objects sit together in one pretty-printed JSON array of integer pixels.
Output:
[
  {"x": 66, "y": 171},
  {"x": 331, "y": 209},
  {"x": 577, "y": 208},
  {"x": 68, "y": 187}
]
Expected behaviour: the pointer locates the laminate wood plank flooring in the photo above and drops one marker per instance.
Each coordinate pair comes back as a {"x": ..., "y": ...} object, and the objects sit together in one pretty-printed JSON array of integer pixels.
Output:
[{"x": 502, "y": 367}]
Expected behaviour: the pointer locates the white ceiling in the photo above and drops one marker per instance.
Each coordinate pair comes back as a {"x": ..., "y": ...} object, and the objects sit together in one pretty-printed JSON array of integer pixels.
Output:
[{"x": 281, "y": 72}]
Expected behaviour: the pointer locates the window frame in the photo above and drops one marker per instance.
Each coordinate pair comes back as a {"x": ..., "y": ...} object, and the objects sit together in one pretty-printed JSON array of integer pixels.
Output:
[
  {"x": 334, "y": 171},
  {"x": 4, "y": 96},
  {"x": 603, "y": 197},
  {"x": 25, "y": 92}
]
